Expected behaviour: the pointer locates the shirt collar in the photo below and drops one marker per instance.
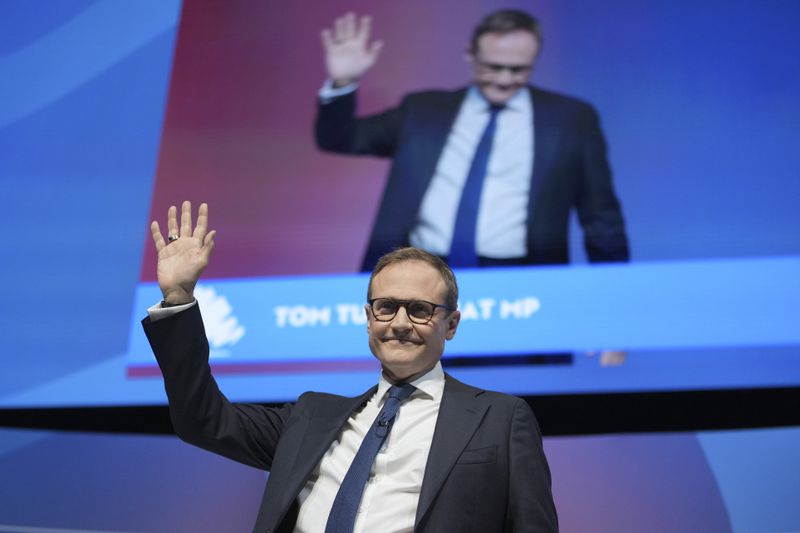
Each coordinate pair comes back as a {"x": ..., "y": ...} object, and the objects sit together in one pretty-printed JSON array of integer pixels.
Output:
[{"x": 429, "y": 385}]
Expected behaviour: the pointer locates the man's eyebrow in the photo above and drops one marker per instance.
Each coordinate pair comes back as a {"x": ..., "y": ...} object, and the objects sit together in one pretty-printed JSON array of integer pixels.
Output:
[{"x": 505, "y": 65}]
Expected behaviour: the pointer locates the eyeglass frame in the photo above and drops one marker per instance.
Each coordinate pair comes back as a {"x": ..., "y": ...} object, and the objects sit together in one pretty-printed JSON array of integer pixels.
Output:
[
  {"x": 496, "y": 68},
  {"x": 405, "y": 304}
]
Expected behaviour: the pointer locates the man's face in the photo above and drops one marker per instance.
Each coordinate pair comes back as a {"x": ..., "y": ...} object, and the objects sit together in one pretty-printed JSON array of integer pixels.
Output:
[
  {"x": 502, "y": 64},
  {"x": 404, "y": 348}
]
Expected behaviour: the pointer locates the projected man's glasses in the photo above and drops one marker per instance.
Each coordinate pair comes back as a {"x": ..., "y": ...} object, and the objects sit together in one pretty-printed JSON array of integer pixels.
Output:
[
  {"x": 496, "y": 68},
  {"x": 418, "y": 311}
]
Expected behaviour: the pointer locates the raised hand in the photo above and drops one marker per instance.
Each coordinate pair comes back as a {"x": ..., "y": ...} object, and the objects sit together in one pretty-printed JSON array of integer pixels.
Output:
[
  {"x": 348, "y": 52},
  {"x": 610, "y": 357},
  {"x": 184, "y": 256}
]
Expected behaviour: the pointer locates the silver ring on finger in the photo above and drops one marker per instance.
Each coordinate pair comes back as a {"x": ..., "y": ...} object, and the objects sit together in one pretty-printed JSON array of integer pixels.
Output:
[{"x": 173, "y": 237}]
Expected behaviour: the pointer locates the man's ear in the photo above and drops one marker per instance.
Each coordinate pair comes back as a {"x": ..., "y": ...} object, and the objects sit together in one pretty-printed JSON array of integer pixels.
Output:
[
  {"x": 367, "y": 311},
  {"x": 452, "y": 324},
  {"x": 469, "y": 57}
]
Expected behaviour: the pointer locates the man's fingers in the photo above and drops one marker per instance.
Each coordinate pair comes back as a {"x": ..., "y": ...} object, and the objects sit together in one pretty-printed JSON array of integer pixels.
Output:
[
  {"x": 158, "y": 239},
  {"x": 339, "y": 28},
  {"x": 327, "y": 38},
  {"x": 208, "y": 242},
  {"x": 185, "y": 228},
  {"x": 375, "y": 50},
  {"x": 186, "y": 219},
  {"x": 172, "y": 220},
  {"x": 201, "y": 228},
  {"x": 347, "y": 29},
  {"x": 208, "y": 245},
  {"x": 349, "y": 26},
  {"x": 613, "y": 357},
  {"x": 363, "y": 29}
]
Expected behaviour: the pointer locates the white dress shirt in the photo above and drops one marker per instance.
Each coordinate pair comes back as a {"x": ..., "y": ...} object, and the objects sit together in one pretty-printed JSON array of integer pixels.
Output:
[
  {"x": 389, "y": 503},
  {"x": 501, "y": 230},
  {"x": 503, "y": 210}
]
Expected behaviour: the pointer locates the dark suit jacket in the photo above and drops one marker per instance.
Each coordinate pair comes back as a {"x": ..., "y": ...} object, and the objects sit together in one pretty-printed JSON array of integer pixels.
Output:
[
  {"x": 570, "y": 169},
  {"x": 486, "y": 470}
]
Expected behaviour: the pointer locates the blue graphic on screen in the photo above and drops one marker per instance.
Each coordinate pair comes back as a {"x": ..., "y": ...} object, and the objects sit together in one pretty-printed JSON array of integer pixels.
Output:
[{"x": 307, "y": 320}]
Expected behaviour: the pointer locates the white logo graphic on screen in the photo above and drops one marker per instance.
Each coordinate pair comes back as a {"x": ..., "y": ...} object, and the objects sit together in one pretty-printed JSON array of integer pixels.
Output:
[{"x": 222, "y": 328}]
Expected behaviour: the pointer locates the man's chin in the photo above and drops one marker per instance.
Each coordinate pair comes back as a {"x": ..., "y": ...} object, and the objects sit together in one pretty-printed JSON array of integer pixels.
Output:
[
  {"x": 398, "y": 372},
  {"x": 399, "y": 357}
]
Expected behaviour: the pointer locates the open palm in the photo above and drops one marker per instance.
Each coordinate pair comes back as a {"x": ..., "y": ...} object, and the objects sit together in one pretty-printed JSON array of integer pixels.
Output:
[
  {"x": 348, "y": 52},
  {"x": 181, "y": 260}
]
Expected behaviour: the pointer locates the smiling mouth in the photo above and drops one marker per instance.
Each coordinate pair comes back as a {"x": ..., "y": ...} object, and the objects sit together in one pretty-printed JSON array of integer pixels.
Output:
[{"x": 402, "y": 342}]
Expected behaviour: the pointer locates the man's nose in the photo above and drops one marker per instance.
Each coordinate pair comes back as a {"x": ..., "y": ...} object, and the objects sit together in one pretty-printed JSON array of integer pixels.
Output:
[
  {"x": 400, "y": 320},
  {"x": 504, "y": 76}
]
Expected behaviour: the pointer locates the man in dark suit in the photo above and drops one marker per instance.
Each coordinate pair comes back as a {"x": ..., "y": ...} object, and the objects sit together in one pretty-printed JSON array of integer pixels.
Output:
[
  {"x": 448, "y": 456},
  {"x": 546, "y": 154}
]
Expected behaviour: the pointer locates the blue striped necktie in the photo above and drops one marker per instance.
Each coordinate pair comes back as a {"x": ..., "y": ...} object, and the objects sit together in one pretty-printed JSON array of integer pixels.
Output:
[
  {"x": 462, "y": 250},
  {"x": 342, "y": 517}
]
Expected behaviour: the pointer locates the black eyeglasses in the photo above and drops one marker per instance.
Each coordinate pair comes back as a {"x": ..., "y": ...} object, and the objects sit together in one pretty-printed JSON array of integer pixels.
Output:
[
  {"x": 418, "y": 311},
  {"x": 495, "y": 68}
]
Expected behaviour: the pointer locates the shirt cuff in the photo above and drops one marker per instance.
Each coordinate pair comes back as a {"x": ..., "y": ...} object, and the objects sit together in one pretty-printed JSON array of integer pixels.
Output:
[
  {"x": 157, "y": 312},
  {"x": 328, "y": 92}
]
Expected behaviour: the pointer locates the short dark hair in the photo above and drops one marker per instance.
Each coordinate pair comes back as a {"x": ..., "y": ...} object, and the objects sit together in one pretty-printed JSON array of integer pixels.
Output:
[
  {"x": 505, "y": 21},
  {"x": 415, "y": 254}
]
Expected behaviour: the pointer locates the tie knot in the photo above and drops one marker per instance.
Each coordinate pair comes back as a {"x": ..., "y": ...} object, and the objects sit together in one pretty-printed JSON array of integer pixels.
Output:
[
  {"x": 401, "y": 392},
  {"x": 494, "y": 109}
]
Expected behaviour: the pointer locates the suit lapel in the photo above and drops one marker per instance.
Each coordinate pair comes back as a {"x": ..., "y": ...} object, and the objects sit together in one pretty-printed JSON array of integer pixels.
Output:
[
  {"x": 431, "y": 133},
  {"x": 460, "y": 415},
  {"x": 323, "y": 426},
  {"x": 546, "y": 138}
]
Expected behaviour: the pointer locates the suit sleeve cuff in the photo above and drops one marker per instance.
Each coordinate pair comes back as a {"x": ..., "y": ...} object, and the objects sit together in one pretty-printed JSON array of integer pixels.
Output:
[
  {"x": 156, "y": 312},
  {"x": 328, "y": 92}
]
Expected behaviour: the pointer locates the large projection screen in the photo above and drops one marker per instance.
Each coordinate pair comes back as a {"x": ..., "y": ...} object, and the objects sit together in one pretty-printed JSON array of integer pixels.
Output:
[{"x": 114, "y": 111}]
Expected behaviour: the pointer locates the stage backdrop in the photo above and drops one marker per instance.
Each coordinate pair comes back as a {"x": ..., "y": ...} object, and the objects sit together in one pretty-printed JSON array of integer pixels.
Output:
[{"x": 111, "y": 111}]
